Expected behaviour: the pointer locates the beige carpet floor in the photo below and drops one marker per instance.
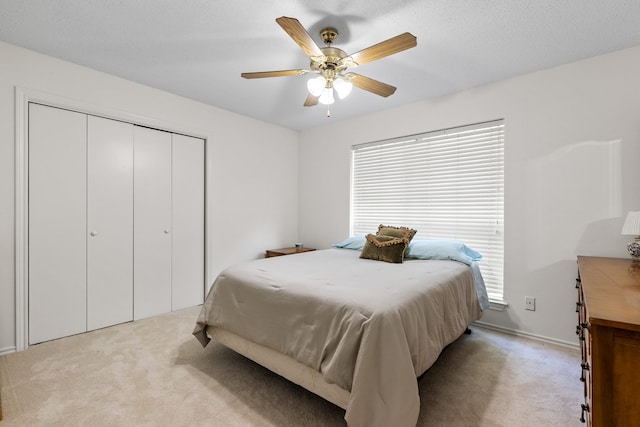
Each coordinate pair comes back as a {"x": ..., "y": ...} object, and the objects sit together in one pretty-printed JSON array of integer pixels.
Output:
[{"x": 152, "y": 372}]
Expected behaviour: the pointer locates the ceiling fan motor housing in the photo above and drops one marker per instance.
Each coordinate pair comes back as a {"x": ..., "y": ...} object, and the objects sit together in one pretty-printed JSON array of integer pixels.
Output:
[{"x": 334, "y": 62}]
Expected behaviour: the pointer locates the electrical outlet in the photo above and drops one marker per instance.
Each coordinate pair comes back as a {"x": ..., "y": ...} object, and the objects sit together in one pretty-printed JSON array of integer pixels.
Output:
[{"x": 530, "y": 303}]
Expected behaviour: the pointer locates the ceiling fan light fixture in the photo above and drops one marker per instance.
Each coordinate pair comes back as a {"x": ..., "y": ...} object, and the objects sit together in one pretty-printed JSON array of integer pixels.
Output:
[
  {"x": 343, "y": 87},
  {"x": 316, "y": 85},
  {"x": 326, "y": 97},
  {"x": 332, "y": 63}
]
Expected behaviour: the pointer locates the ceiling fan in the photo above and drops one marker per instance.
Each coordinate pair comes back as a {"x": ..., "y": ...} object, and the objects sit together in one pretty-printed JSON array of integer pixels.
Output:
[{"x": 332, "y": 64}]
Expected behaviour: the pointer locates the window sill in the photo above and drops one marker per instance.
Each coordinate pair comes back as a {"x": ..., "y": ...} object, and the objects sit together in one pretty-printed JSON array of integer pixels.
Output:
[{"x": 498, "y": 305}]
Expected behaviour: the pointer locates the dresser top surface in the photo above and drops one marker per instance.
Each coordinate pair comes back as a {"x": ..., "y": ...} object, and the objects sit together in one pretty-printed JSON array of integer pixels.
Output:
[{"x": 611, "y": 289}]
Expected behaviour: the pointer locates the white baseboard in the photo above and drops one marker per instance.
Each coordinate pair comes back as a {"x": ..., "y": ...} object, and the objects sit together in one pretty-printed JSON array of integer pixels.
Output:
[
  {"x": 7, "y": 350},
  {"x": 527, "y": 335}
]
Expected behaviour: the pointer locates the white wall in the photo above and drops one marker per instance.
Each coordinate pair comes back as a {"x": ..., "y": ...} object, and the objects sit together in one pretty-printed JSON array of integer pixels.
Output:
[
  {"x": 251, "y": 196},
  {"x": 572, "y": 144},
  {"x": 572, "y": 151}
]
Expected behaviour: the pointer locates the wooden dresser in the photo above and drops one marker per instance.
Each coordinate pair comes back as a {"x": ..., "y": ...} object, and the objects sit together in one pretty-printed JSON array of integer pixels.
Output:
[{"x": 609, "y": 332}]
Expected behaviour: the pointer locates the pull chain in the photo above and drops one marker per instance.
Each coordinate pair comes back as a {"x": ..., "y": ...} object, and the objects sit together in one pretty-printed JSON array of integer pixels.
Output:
[{"x": 328, "y": 112}]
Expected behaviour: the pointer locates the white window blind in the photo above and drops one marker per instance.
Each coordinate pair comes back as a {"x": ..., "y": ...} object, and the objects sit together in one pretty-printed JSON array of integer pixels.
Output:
[{"x": 445, "y": 184}]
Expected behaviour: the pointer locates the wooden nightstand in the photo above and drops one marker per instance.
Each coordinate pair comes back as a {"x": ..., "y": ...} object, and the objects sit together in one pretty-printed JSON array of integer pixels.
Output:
[{"x": 286, "y": 251}]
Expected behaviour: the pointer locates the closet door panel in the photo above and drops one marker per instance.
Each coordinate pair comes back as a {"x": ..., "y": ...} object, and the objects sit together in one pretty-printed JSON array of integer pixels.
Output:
[
  {"x": 152, "y": 222},
  {"x": 57, "y": 223},
  {"x": 110, "y": 223},
  {"x": 188, "y": 222}
]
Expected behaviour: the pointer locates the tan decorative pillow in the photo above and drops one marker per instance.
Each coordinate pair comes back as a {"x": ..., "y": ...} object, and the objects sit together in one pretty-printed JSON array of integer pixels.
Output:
[
  {"x": 384, "y": 248},
  {"x": 398, "y": 232}
]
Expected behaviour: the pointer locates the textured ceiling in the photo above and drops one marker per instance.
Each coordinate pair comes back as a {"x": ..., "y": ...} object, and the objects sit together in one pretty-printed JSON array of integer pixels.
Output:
[{"x": 198, "y": 48}]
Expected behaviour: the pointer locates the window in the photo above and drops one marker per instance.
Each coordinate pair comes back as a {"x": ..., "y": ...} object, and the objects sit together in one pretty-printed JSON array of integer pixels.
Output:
[{"x": 445, "y": 184}]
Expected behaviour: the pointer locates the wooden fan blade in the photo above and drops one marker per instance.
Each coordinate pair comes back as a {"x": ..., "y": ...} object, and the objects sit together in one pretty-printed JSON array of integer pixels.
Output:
[
  {"x": 296, "y": 31},
  {"x": 281, "y": 73},
  {"x": 372, "y": 85},
  {"x": 311, "y": 101},
  {"x": 388, "y": 47}
]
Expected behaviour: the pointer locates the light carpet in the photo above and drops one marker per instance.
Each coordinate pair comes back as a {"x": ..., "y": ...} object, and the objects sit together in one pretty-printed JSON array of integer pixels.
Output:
[{"x": 153, "y": 372}]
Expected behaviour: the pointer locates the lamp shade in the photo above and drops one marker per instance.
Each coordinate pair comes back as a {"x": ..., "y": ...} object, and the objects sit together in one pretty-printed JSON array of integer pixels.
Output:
[
  {"x": 343, "y": 87},
  {"x": 632, "y": 224},
  {"x": 326, "y": 97},
  {"x": 316, "y": 85}
]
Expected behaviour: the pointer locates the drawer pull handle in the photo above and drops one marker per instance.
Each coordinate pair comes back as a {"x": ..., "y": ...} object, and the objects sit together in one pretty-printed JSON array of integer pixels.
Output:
[
  {"x": 585, "y": 367},
  {"x": 585, "y": 408},
  {"x": 580, "y": 330}
]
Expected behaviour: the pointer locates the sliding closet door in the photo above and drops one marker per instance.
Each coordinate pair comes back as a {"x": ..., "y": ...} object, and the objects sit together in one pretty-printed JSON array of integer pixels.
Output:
[
  {"x": 188, "y": 222},
  {"x": 110, "y": 223},
  {"x": 57, "y": 223},
  {"x": 152, "y": 222}
]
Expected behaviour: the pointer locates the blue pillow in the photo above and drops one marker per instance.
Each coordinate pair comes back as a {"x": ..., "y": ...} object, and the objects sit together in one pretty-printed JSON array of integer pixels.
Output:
[
  {"x": 442, "y": 249},
  {"x": 354, "y": 242}
]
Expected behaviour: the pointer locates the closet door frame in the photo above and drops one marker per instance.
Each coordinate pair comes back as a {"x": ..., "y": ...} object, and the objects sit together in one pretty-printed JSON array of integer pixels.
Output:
[{"x": 24, "y": 96}]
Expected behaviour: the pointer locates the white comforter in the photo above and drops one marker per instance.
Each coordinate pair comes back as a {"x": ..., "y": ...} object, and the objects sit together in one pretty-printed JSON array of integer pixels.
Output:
[{"x": 368, "y": 326}]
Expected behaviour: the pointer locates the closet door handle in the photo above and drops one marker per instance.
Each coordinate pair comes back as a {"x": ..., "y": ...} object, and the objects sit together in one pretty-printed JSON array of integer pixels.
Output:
[
  {"x": 166, "y": 231},
  {"x": 94, "y": 233}
]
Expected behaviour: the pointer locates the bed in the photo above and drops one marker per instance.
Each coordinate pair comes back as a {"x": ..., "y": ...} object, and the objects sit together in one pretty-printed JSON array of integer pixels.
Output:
[{"x": 357, "y": 332}]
